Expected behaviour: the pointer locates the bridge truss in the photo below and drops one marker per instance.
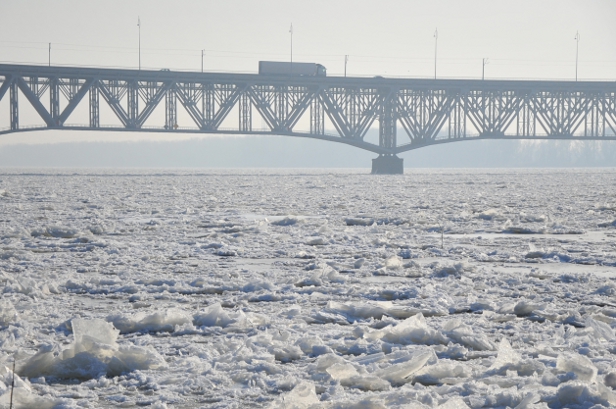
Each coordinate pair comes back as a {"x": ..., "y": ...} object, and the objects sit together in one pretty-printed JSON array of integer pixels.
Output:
[{"x": 409, "y": 113}]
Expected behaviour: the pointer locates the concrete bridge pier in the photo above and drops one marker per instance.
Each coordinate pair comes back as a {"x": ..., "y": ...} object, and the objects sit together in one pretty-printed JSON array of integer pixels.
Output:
[{"x": 387, "y": 165}]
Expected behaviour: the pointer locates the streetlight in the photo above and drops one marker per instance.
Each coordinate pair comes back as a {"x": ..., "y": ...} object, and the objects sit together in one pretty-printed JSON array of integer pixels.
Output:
[
  {"x": 435, "y": 49},
  {"x": 291, "y": 32},
  {"x": 49, "y": 55},
  {"x": 139, "y": 28},
  {"x": 346, "y": 60},
  {"x": 202, "y": 60},
  {"x": 577, "y": 49},
  {"x": 486, "y": 61}
]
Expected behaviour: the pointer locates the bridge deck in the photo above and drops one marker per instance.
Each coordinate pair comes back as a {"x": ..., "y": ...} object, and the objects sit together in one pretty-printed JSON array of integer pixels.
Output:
[{"x": 410, "y": 112}]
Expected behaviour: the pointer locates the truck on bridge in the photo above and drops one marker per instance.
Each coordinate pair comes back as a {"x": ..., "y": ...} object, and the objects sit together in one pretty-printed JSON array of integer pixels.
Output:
[{"x": 306, "y": 69}]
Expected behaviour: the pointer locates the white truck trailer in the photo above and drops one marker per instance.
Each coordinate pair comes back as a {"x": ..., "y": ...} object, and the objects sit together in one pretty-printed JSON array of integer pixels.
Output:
[{"x": 307, "y": 69}]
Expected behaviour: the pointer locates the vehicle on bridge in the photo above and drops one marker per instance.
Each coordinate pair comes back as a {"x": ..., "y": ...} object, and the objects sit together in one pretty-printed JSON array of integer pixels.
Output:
[{"x": 308, "y": 69}]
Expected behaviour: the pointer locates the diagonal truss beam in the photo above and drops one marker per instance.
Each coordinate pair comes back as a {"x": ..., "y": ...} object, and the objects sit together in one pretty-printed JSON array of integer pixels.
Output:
[
  {"x": 8, "y": 80},
  {"x": 74, "y": 102},
  {"x": 36, "y": 102},
  {"x": 429, "y": 111}
]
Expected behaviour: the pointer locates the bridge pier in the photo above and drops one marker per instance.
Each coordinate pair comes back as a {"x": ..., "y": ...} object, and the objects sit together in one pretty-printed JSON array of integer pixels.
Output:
[{"x": 387, "y": 165}]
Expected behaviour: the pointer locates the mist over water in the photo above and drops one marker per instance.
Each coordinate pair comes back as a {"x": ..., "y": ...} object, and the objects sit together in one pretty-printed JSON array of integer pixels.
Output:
[{"x": 294, "y": 152}]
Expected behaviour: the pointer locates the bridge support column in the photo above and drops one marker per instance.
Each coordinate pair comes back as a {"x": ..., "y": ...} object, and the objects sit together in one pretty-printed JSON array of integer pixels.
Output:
[
  {"x": 387, "y": 165},
  {"x": 14, "y": 106}
]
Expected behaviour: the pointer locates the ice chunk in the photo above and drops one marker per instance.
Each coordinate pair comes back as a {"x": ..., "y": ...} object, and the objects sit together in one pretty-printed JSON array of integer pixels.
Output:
[
  {"x": 87, "y": 332},
  {"x": 490, "y": 214},
  {"x": 313, "y": 346},
  {"x": 212, "y": 316},
  {"x": 8, "y": 313},
  {"x": 23, "y": 397},
  {"x": 302, "y": 396},
  {"x": 165, "y": 321},
  {"x": 358, "y": 221},
  {"x": 529, "y": 400},
  {"x": 93, "y": 353},
  {"x": 582, "y": 367},
  {"x": 286, "y": 221},
  {"x": 413, "y": 330},
  {"x": 524, "y": 308},
  {"x": 61, "y": 232},
  {"x": 399, "y": 374},
  {"x": 393, "y": 262},
  {"x": 348, "y": 376},
  {"x": 506, "y": 355},
  {"x": 601, "y": 329},
  {"x": 356, "y": 311},
  {"x": 342, "y": 371},
  {"x": 317, "y": 241},
  {"x": 326, "y": 361},
  {"x": 465, "y": 335},
  {"x": 285, "y": 353},
  {"x": 442, "y": 372},
  {"x": 610, "y": 380}
]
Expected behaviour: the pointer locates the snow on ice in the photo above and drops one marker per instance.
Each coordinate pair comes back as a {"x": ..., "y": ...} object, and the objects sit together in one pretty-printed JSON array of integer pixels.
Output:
[{"x": 226, "y": 289}]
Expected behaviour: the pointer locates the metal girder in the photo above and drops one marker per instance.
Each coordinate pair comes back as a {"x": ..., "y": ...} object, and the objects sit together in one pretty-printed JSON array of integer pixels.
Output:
[
  {"x": 113, "y": 93},
  {"x": 351, "y": 110},
  {"x": 281, "y": 106},
  {"x": 6, "y": 84},
  {"x": 171, "y": 110},
  {"x": 429, "y": 111},
  {"x": 35, "y": 102},
  {"x": 75, "y": 99},
  {"x": 245, "y": 113},
  {"x": 94, "y": 105},
  {"x": 491, "y": 112},
  {"x": 317, "y": 118},
  {"x": 387, "y": 122},
  {"x": 152, "y": 99},
  {"x": 14, "y": 106},
  {"x": 423, "y": 113}
]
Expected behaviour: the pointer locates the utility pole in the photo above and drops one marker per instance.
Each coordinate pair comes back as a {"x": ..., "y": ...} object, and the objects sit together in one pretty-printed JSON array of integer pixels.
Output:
[
  {"x": 577, "y": 49},
  {"x": 291, "y": 32},
  {"x": 486, "y": 61},
  {"x": 346, "y": 60},
  {"x": 435, "y": 49},
  {"x": 49, "y": 56},
  {"x": 202, "y": 60},
  {"x": 139, "y": 28}
]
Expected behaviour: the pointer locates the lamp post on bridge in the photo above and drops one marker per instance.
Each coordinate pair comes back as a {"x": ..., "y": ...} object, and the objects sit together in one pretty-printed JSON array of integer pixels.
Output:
[
  {"x": 291, "y": 32},
  {"x": 202, "y": 51},
  {"x": 486, "y": 61},
  {"x": 139, "y": 30},
  {"x": 49, "y": 56},
  {"x": 435, "y": 49},
  {"x": 577, "y": 49},
  {"x": 346, "y": 60}
]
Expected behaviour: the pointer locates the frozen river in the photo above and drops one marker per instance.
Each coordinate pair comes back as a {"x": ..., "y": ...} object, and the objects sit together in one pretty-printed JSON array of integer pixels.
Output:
[{"x": 308, "y": 289}]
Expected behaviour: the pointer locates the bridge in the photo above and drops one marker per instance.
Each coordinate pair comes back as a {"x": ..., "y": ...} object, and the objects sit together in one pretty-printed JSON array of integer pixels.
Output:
[{"x": 410, "y": 113}]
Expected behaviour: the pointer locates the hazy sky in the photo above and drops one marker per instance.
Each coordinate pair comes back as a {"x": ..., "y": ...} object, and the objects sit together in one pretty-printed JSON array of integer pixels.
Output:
[{"x": 521, "y": 39}]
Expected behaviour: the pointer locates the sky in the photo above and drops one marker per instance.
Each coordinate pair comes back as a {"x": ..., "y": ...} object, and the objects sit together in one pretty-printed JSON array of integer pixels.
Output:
[{"x": 519, "y": 39}]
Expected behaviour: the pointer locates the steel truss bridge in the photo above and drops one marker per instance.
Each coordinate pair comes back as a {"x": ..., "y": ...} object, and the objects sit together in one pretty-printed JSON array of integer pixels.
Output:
[{"x": 410, "y": 113}]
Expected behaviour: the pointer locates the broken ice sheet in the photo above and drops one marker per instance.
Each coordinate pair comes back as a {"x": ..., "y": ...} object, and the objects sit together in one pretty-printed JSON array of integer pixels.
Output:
[{"x": 94, "y": 352}]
